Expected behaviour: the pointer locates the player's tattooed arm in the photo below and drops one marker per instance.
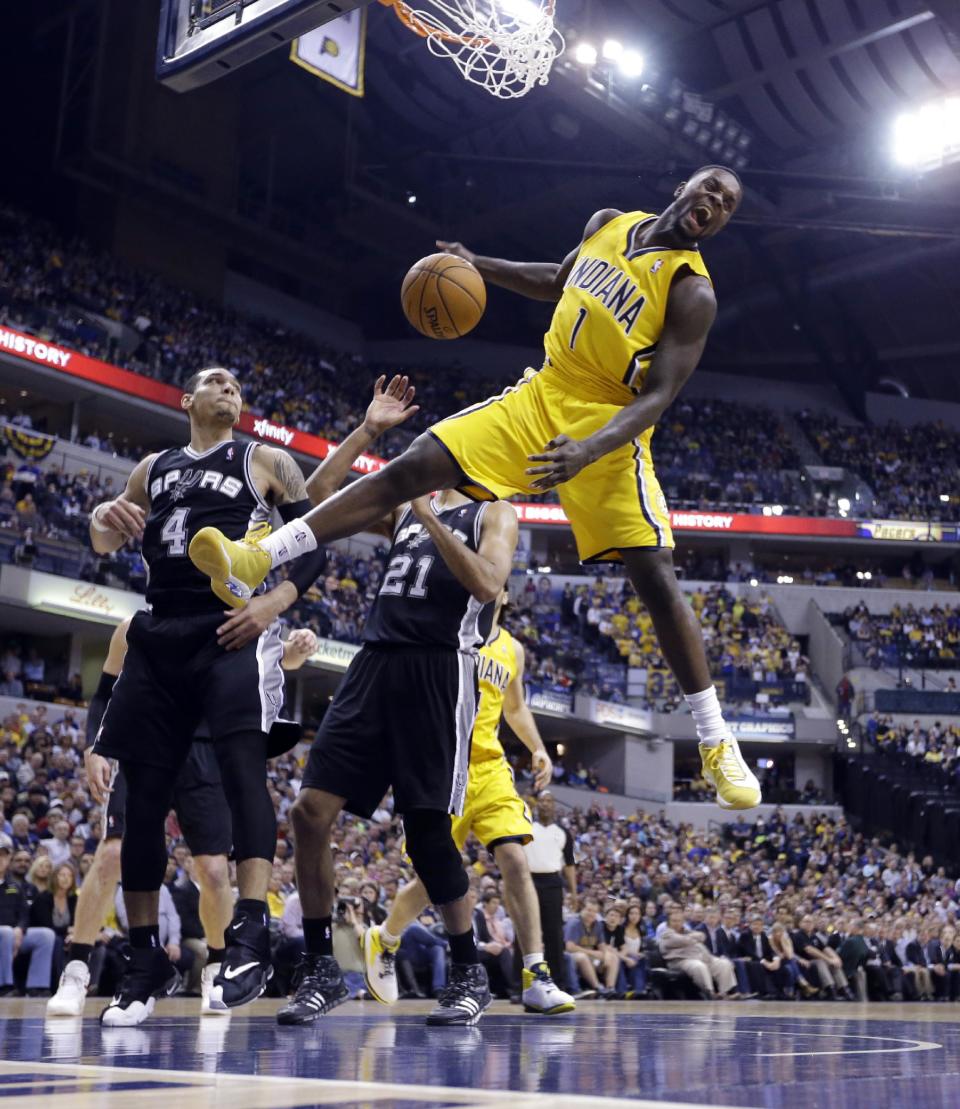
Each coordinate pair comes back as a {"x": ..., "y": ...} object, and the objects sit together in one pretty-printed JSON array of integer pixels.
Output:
[
  {"x": 291, "y": 486},
  {"x": 112, "y": 523},
  {"x": 536, "y": 280}
]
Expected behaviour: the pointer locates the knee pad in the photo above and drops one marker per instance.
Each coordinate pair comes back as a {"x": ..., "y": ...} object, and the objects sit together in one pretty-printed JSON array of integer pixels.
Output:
[{"x": 435, "y": 856}]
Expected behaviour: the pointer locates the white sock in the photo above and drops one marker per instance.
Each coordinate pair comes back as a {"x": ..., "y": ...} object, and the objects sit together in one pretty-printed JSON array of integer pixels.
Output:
[
  {"x": 289, "y": 542},
  {"x": 531, "y": 960},
  {"x": 389, "y": 939},
  {"x": 708, "y": 717}
]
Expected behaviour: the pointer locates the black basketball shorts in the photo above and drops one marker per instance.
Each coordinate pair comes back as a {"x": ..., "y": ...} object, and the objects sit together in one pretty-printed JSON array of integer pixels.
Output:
[
  {"x": 198, "y": 799},
  {"x": 176, "y": 676},
  {"x": 402, "y": 717}
]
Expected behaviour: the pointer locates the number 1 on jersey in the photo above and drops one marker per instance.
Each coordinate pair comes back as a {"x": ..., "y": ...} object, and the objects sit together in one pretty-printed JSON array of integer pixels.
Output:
[{"x": 581, "y": 316}]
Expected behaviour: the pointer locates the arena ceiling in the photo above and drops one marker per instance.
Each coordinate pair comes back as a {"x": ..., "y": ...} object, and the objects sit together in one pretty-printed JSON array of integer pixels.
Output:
[{"x": 838, "y": 266}]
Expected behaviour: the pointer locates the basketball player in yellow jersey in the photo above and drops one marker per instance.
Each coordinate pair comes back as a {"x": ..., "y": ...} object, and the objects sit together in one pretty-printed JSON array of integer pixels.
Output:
[
  {"x": 634, "y": 307},
  {"x": 498, "y": 818}
]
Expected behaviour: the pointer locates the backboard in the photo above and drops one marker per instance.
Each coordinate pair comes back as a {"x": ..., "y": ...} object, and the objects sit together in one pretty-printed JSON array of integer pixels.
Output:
[{"x": 201, "y": 40}]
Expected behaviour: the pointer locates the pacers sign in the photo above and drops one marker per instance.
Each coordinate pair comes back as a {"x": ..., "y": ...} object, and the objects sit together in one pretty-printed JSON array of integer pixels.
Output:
[{"x": 334, "y": 52}]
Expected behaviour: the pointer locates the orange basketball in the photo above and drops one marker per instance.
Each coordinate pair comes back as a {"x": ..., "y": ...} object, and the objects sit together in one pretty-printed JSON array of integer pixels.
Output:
[{"x": 443, "y": 296}]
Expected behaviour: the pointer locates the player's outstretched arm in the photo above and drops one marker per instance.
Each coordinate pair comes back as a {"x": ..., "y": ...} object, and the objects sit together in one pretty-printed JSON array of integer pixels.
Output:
[
  {"x": 536, "y": 280},
  {"x": 483, "y": 572},
  {"x": 392, "y": 405},
  {"x": 517, "y": 714},
  {"x": 112, "y": 523},
  {"x": 690, "y": 314}
]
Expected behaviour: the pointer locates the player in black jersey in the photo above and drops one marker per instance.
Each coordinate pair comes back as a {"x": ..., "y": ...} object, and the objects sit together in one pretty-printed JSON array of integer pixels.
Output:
[
  {"x": 205, "y": 825},
  {"x": 403, "y": 717},
  {"x": 176, "y": 675}
]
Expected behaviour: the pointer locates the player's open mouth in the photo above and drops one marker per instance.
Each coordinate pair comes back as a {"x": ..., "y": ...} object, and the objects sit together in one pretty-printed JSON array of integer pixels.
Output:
[{"x": 701, "y": 215}]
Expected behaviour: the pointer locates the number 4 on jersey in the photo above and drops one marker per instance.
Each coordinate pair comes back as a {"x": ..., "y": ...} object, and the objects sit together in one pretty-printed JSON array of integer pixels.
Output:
[{"x": 174, "y": 532}]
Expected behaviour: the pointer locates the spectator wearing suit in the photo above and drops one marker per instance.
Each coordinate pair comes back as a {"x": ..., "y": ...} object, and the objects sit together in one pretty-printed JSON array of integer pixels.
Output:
[
  {"x": 855, "y": 954},
  {"x": 944, "y": 963},
  {"x": 917, "y": 983},
  {"x": 764, "y": 965},
  {"x": 820, "y": 963},
  {"x": 728, "y": 943},
  {"x": 884, "y": 980},
  {"x": 915, "y": 955},
  {"x": 687, "y": 951}
]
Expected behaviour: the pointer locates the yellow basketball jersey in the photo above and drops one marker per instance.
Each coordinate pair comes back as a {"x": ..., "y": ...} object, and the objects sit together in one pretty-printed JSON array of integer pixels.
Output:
[
  {"x": 497, "y": 667},
  {"x": 609, "y": 319}
]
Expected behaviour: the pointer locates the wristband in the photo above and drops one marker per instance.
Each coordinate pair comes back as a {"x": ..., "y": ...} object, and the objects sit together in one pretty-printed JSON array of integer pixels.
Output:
[{"x": 97, "y": 526}]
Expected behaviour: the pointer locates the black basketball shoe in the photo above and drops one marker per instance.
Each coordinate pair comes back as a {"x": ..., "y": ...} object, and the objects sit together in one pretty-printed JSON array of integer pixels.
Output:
[
  {"x": 148, "y": 974},
  {"x": 321, "y": 989},
  {"x": 464, "y": 997},
  {"x": 246, "y": 968}
]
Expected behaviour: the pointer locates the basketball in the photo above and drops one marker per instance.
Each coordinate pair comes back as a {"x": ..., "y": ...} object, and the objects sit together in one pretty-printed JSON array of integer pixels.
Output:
[{"x": 443, "y": 296}]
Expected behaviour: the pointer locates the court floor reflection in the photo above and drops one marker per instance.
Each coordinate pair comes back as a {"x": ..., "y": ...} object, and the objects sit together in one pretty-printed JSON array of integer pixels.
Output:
[{"x": 843, "y": 1057}]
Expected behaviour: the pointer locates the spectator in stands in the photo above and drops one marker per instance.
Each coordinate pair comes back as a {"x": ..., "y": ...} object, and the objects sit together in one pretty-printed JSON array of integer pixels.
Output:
[
  {"x": 40, "y": 876},
  {"x": 583, "y": 935},
  {"x": 495, "y": 936},
  {"x": 18, "y": 938},
  {"x": 943, "y": 962},
  {"x": 58, "y": 846},
  {"x": 631, "y": 949},
  {"x": 763, "y": 965},
  {"x": 793, "y": 976},
  {"x": 56, "y": 908},
  {"x": 819, "y": 962},
  {"x": 686, "y": 951}
]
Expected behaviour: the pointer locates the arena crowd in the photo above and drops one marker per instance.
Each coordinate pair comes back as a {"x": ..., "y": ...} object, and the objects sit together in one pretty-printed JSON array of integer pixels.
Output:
[{"x": 769, "y": 908}]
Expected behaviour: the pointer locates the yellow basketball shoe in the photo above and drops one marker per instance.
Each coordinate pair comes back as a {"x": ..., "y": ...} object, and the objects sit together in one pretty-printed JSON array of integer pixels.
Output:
[
  {"x": 234, "y": 569},
  {"x": 380, "y": 966},
  {"x": 736, "y": 785}
]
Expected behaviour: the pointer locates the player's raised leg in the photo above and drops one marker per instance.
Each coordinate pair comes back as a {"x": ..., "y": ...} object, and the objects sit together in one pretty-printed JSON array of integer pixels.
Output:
[
  {"x": 681, "y": 641},
  {"x": 422, "y": 468}
]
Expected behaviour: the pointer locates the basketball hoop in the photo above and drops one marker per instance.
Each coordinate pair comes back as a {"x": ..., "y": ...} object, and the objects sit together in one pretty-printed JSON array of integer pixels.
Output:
[{"x": 504, "y": 46}]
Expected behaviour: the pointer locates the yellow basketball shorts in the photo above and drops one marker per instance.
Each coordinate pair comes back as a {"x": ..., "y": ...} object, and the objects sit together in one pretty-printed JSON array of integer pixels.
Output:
[
  {"x": 492, "y": 810},
  {"x": 614, "y": 504}
]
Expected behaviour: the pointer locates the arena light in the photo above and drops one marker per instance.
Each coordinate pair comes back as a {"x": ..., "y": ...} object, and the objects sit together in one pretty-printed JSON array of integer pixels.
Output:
[
  {"x": 523, "y": 11},
  {"x": 754, "y": 582},
  {"x": 944, "y": 498},
  {"x": 631, "y": 63},
  {"x": 784, "y": 579},
  {"x": 928, "y": 137},
  {"x": 561, "y": 750},
  {"x": 585, "y": 53},
  {"x": 612, "y": 50}
]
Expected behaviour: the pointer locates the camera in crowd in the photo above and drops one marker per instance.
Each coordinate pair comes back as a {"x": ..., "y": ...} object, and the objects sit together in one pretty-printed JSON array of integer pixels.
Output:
[{"x": 344, "y": 904}]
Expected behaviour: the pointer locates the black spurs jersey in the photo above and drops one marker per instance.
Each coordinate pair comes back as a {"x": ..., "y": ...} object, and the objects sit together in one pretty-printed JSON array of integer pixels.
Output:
[
  {"x": 189, "y": 491},
  {"x": 420, "y": 603}
]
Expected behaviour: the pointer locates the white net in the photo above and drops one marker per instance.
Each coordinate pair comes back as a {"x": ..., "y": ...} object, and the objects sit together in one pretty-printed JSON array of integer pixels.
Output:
[{"x": 504, "y": 46}]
